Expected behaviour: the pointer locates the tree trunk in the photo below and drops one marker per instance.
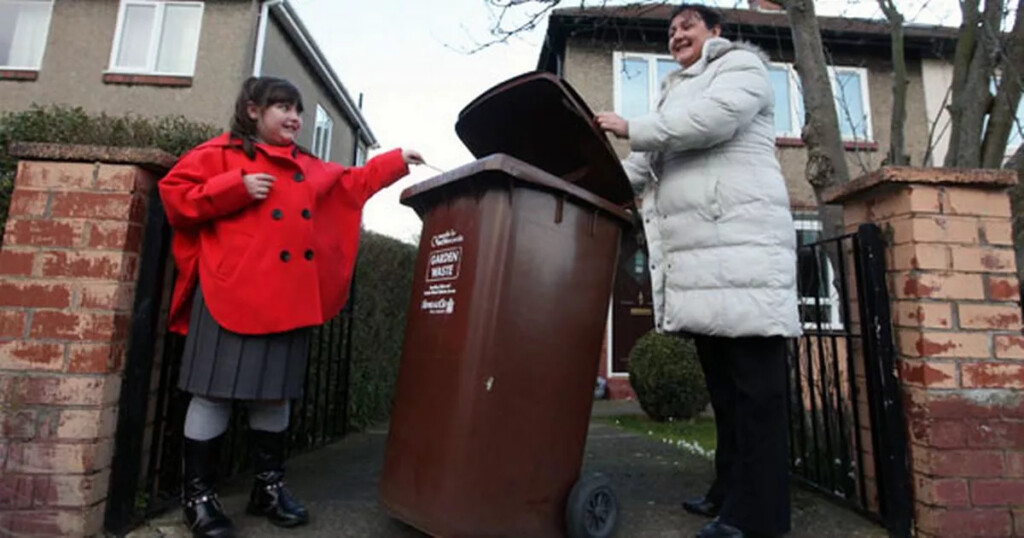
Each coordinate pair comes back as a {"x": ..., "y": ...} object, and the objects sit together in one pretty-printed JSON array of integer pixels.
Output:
[
  {"x": 965, "y": 46},
  {"x": 1002, "y": 120},
  {"x": 897, "y": 146},
  {"x": 976, "y": 99},
  {"x": 826, "y": 159}
]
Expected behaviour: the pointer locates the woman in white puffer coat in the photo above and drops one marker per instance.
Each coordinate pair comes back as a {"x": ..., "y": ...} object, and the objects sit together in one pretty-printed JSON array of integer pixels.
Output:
[{"x": 722, "y": 250}]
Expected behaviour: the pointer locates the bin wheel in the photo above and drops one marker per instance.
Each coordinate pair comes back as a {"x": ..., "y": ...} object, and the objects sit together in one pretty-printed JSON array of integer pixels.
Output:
[{"x": 592, "y": 510}]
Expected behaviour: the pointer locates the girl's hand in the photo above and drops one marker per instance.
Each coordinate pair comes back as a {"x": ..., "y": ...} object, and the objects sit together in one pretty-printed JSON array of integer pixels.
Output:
[
  {"x": 411, "y": 156},
  {"x": 258, "y": 185},
  {"x": 612, "y": 123}
]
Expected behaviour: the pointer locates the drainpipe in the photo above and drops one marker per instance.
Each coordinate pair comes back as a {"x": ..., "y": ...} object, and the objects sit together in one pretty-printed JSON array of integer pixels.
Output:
[{"x": 261, "y": 35}]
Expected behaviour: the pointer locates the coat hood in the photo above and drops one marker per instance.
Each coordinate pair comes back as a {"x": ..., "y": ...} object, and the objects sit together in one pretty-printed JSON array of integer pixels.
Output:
[{"x": 714, "y": 49}]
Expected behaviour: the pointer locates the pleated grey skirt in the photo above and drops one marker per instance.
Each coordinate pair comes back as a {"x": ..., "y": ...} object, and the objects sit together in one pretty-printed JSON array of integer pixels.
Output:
[{"x": 222, "y": 364}]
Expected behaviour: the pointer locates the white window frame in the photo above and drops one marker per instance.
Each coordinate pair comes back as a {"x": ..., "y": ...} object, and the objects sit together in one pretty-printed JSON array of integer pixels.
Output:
[
  {"x": 1015, "y": 128},
  {"x": 323, "y": 133},
  {"x": 361, "y": 152},
  {"x": 154, "y": 43},
  {"x": 46, "y": 35},
  {"x": 862, "y": 76},
  {"x": 652, "y": 75},
  {"x": 795, "y": 96},
  {"x": 834, "y": 322},
  {"x": 795, "y": 121}
]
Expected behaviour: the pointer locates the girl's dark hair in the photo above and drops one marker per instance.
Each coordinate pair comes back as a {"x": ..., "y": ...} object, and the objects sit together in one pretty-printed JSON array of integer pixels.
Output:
[
  {"x": 262, "y": 92},
  {"x": 711, "y": 16}
]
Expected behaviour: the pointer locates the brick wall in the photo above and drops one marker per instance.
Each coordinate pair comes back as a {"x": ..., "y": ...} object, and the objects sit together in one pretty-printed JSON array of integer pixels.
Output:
[
  {"x": 67, "y": 278},
  {"x": 957, "y": 323}
]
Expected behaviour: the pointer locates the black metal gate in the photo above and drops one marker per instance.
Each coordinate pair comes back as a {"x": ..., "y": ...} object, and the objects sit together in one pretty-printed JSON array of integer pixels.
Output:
[
  {"x": 847, "y": 432},
  {"x": 145, "y": 477}
]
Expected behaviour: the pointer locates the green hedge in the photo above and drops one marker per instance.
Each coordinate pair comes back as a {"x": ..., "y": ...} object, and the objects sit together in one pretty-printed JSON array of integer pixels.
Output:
[
  {"x": 73, "y": 125},
  {"x": 382, "y": 286}
]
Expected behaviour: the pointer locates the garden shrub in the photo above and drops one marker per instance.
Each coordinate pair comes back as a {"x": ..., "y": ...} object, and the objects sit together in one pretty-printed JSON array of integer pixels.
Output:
[{"x": 666, "y": 375}]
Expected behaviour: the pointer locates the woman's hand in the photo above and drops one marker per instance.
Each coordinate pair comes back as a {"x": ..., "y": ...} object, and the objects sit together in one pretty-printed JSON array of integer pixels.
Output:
[
  {"x": 258, "y": 185},
  {"x": 612, "y": 123},
  {"x": 411, "y": 156}
]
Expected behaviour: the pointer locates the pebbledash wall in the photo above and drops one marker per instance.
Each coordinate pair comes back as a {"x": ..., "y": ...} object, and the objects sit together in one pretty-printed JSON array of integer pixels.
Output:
[
  {"x": 68, "y": 268},
  {"x": 957, "y": 320}
]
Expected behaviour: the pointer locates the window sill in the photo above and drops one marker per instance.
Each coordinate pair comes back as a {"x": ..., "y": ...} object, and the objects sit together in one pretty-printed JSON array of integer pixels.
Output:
[
  {"x": 789, "y": 142},
  {"x": 147, "y": 80},
  {"x": 18, "y": 74}
]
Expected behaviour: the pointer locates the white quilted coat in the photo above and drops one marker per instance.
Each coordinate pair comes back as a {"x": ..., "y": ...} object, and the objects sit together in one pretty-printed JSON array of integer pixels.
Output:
[{"x": 714, "y": 203}]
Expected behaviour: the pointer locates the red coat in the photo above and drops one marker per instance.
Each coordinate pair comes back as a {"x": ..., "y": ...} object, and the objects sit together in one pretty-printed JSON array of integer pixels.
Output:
[{"x": 267, "y": 265}]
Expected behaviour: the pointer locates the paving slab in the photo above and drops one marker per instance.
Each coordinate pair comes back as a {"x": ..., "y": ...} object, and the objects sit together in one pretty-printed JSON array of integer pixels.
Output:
[{"x": 338, "y": 483}]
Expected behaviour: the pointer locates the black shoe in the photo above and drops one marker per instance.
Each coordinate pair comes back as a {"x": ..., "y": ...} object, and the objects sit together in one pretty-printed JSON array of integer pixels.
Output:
[
  {"x": 269, "y": 497},
  {"x": 701, "y": 506},
  {"x": 716, "y": 529},
  {"x": 202, "y": 511}
]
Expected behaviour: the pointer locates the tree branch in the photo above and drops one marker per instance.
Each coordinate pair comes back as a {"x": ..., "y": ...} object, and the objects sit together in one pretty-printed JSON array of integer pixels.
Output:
[
  {"x": 1004, "y": 108},
  {"x": 897, "y": 146}
]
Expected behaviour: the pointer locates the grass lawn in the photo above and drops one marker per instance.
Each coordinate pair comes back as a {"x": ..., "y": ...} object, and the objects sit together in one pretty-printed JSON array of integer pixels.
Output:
[{"x": 696, "y": 435}]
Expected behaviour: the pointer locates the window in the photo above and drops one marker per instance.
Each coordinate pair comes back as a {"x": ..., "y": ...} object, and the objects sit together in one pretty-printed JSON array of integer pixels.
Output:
[
  {"x": 638, "y": 79},
  {"x": 789, "y": 107},
  {"x": 818, "y": 296},
  {"x": 360, "y": 154},
  {"x": 1017, "y": 129},
  {"x": 1017, "y": 132},
  {"x": 156, "y": 37},
  {"x": 322, "y": 134},
  {"x": 24, "y": 25},
  {"x": 849, "y": 87}
]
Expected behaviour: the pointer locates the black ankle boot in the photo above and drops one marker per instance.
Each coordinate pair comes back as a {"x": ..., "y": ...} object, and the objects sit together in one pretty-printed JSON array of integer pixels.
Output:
[
  {"x": 203, "y": 513},
  {"x": 269, "y": 497}
]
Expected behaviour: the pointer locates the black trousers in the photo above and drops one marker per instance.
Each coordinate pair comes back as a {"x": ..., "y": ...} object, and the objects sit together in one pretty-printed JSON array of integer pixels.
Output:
[{"x": 746, "y": 378}]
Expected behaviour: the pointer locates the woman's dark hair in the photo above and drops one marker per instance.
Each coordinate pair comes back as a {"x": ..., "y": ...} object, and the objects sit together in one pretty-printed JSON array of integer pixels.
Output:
[
  {"x": 262, "y": 92},
  {"x": 711, "y": 16}
]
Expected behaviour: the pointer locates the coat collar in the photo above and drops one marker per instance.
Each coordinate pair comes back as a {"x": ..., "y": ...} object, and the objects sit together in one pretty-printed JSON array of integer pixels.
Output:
[{"x": 225, "y": 140}]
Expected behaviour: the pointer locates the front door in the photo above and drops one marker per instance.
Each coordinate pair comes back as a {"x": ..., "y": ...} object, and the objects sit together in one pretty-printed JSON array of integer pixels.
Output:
[{"x": 632, "y": 312}]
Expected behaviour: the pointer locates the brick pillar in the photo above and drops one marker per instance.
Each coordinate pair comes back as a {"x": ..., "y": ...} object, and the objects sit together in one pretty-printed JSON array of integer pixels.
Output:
[
  {"x": 957, "y": 324},
  {"x": 67, "y": 283}
]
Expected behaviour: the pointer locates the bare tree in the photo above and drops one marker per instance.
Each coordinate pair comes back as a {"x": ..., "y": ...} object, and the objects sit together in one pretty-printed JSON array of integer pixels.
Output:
[
  {"x": 1011, "y": 82},
  {"x": 973, "y": 66},
  {"x": 897, "y": 146}
]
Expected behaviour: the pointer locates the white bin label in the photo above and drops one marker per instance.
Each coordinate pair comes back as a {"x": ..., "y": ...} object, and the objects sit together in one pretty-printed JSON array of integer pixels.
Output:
[{"x": 443, "y": 266}]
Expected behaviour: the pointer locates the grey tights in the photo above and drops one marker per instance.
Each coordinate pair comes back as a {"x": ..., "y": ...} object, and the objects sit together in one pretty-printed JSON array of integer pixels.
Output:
[{"x": 207, "y": 418}]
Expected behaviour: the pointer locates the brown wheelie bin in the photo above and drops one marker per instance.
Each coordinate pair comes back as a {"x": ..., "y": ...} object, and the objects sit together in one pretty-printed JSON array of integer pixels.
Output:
[{"x": 510, "y": 297}]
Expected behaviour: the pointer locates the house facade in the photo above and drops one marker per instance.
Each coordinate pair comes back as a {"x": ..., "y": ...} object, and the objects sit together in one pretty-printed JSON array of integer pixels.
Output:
[
  {"x": 617, "y": 57},
  {"x": 158, "y": 57}
]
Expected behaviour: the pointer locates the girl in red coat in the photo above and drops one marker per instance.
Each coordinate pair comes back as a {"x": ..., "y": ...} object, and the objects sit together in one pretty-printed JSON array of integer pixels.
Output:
[{"x": 265, "y": 239}]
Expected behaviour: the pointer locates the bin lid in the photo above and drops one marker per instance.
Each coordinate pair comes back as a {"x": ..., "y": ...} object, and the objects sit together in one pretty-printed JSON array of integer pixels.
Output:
[
  {"x": 540, "y": 119},
  {"x": 424, "y": 195}
]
